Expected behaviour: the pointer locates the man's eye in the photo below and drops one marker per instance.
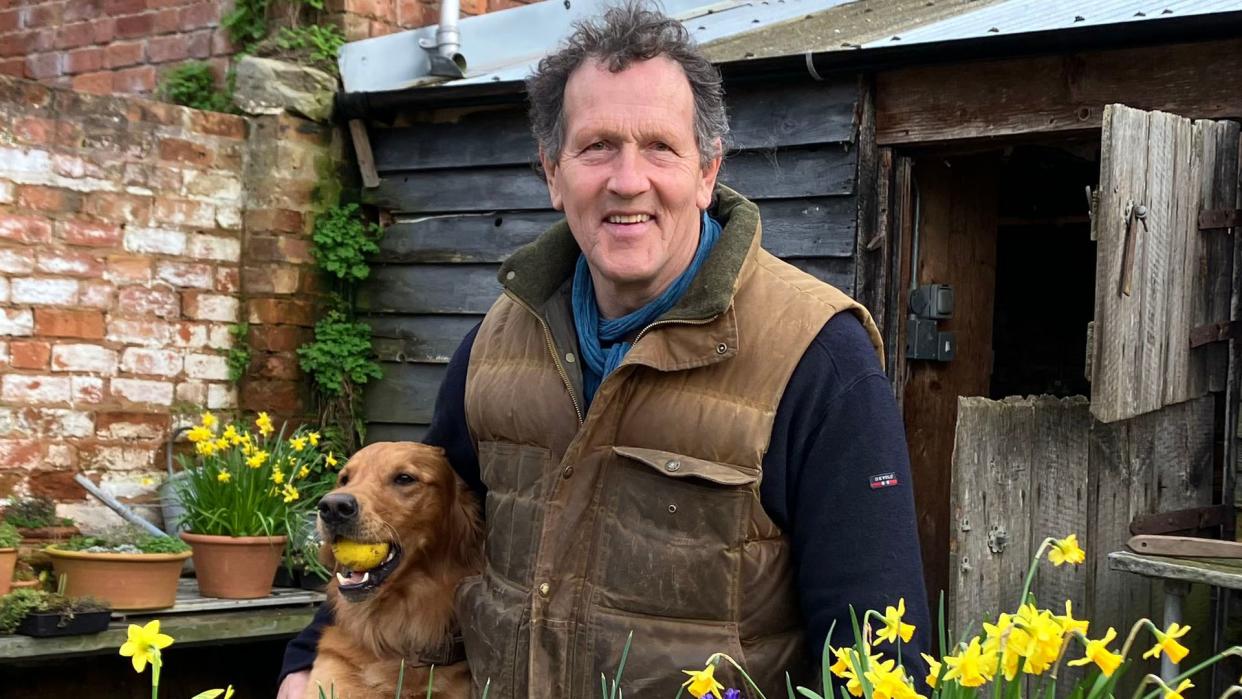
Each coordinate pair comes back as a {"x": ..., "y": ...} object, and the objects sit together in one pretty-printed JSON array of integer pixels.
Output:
[
  {"x": 404, "y": 479},
  {"x": 661, "y": 146},
  {"x": 598, "y": 145}
]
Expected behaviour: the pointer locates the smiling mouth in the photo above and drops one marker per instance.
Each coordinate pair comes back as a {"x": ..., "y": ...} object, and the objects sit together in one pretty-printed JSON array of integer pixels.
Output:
[
  {"x": 628, "y": 219},
  {"x": 356, "y": 585}
]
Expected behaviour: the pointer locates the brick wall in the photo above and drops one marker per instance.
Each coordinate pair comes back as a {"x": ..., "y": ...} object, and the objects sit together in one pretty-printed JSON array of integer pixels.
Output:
[
  {"x": 123, "y": 226},
  {"x": 123, "y": 46}
]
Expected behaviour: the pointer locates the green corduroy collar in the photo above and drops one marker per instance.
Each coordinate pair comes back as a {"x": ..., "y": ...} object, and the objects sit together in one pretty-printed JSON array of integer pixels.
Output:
[{"x": 537, "y": 270}]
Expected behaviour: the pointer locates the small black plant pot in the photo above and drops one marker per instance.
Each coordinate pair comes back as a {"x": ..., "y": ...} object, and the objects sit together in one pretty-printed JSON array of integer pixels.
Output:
[{"x": 45, "y": 624}]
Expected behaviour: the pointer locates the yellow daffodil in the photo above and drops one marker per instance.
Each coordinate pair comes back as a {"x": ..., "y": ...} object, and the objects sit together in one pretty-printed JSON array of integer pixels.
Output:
[
  {"x": 278, "y": 476},
  {"x": 702, "y": 682},
  {"x": 1166, "y": 641},
  {"x": 1069, "y": 624},
  {"x": 1177, "y": 693},
  {"x": 314, "y": 438},
  {"x": 213, "y": 693},
  {"x": 1037, "y": 637},
  {"x": 893, "y": 625},
  {"x": 199, "y": 433},
  {"x": 303, "y": 472},
  {"x": 224, "y": 476},
  {"x": 298, "y": 443},
  {"x": 847, "y": 659},
  {"x": 330, "y": 460},
  {"x": 205, "y": 448},
  {"x": 257, "y": 459},
  {"x": 890, "y": 682},
  {"x": 972, "y": 667},
  {"x": 1097, "y": 652},
  {"x": 209, "y": 421},
  {"x": 144, "y": 644},
  {"x": 264, "y": 423},
  {"x": 222, "y": 444},
  {"x": 147, "y": 480},
  {"x": 230, "y": 433},
  {"x": 933, "y": 670},
  {"x": 291, "y": 494},
  {"x": 1066, "y": 551}
]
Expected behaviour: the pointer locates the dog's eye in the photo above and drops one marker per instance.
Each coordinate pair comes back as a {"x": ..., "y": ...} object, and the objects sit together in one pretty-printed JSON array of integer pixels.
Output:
[
  {"x": 404, "y": 479},
  {"x": 344, "y": 479}
]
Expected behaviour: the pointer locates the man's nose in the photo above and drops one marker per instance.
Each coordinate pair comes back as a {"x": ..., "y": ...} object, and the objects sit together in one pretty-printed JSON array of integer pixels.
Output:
[
  {"x": 338, "y": 508},
  {"x": 629, "y": 176}
]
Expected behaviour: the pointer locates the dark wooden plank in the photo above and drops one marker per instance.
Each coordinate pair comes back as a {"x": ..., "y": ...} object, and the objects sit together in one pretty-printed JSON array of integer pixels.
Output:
[
  {"x": 760, "y": 116},
  {"x": 363, "y": 153},
  {"x": 837, "y": 272},
  {"x": 420, "y": 338},
  {"x": 499, "y": 137},
  {"x": 947, "y": 102},
  {"x": 875, "y": 170},
  {"x": 777, "y": 114},
  {"x": 820, "y": 227},
  {"x": 407, "y": 394},
  {"x": 958, "y": 247},
  {"x": 810, "y": 171},
  {"x": 1213, "y": 257},
  {"x": 429, "y": 289},
  {"x": 395, "y": 432}
]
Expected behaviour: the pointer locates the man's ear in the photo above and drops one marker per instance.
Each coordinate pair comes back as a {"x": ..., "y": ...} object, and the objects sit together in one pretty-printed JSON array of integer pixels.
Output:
[
  {"x": 707, "y": 181},
  {"x": 552, "y": 175}
]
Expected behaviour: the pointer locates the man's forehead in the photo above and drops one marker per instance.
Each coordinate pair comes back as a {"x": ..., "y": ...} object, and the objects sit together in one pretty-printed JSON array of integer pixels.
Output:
[{"x": 659, "y": 76}]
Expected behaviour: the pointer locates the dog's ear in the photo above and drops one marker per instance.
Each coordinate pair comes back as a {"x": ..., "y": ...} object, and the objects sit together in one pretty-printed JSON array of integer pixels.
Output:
[{"x": 465, "y": 528}]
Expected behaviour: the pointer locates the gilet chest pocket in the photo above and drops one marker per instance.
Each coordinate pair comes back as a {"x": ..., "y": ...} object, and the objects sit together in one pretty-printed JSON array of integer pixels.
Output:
[
  {"x": 514, "y": 475},
  {"x": 671, "y": 534}
]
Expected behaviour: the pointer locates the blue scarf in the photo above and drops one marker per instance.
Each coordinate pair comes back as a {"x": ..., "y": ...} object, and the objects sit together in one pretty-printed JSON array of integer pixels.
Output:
[{"x": 600, "y": 342}]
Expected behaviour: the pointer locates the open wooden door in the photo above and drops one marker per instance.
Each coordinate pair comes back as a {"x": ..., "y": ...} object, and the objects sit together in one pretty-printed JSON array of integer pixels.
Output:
[{"x": 1163, "y": 281}]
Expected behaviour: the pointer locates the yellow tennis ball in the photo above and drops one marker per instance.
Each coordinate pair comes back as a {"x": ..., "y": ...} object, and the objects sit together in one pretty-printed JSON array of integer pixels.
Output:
[{"x": 357, "y": 555}]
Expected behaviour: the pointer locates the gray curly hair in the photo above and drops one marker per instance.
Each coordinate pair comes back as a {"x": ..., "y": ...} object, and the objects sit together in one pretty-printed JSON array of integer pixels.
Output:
[{"x": 623, "y": 35}]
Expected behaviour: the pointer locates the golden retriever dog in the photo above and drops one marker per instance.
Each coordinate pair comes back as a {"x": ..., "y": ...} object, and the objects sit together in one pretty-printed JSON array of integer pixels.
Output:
[{"x": 404, "y": 495}]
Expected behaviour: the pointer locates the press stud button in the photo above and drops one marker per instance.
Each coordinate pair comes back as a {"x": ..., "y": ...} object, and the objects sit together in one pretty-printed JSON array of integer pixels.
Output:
[
  {"x": 567, "y": 472},
  {"x": 673, "y": 465},
  {"x": 569, "y": 357},
  {"x": 510, "y": 275},
  {"x": 544, "y": 589},
  {"x": 672, "y": 509},
  {"x": 722, "y": 348}
]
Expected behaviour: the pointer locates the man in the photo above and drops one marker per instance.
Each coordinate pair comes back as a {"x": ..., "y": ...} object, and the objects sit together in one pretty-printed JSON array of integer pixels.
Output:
[{"x": 675, "y": 432}]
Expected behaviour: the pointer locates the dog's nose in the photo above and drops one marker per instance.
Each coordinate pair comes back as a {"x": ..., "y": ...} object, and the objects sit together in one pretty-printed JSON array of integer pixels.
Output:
[{"x": 337, "y": 508}]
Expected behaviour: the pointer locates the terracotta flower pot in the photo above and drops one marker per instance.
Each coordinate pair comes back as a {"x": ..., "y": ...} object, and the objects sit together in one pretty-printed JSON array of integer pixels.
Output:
[
  {"x": 34, "y": 541},
  {"x": 8, "y": 561},
  {"x": 235, "y": 567},
  {"x": 23, "y": 584},
  {"x": 128, "y": 581}
]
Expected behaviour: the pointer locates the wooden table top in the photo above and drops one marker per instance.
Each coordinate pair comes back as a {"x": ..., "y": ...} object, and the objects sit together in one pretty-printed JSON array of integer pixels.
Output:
[{"x": 1221, "y": 572}]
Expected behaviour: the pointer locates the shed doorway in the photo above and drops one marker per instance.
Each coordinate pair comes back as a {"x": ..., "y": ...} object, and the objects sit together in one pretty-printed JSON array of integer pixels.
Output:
[{"x": 1006, "y": 231}]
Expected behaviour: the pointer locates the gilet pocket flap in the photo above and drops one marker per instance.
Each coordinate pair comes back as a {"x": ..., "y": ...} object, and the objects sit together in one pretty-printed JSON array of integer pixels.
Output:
[{"x": 681, "y": 466}]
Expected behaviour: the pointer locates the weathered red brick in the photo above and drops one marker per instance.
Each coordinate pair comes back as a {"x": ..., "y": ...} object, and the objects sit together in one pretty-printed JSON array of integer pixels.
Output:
[
  {"x": 124, "y": 7},
  {"x": 29, "y": 354},
  {"x": 167, "y": 21},
  {"x": 71, "y": 36},
  {"x": 129, "y": 269},
  {"x": 70, "y": 263},
  {"x": 105, "y": 30},
  {"x": 57, "y": 485},
  {"x": 125, "y": 53},
  {"x": 227, "y": 279},
  {"x": 81, "y": 232},
  {"x": 184, "y": 274},
  {"x": 172, "y": 47},
  {"x": 9, "y": 21},
  {"x": 131, "y": 426},
  {"x": 118, "y": 207},
  {"x": 150, "y": 361},
  {"x": 198, "y": 44},
  {"x": 84, "y": 60},
  {"x": 275, "y": 221},
  {"x": 20, "y": 453},
  {"x": 135, "y": 80},
  {"x": 25, "y": 229},
  {"x": 55, "y": 322},
  {"x": 132, "y": 26},
  {"x": 279, "y": 366},
  {"x": 203, "y": 14},
  {"x": 23, "y": 389},
  {"x": 42, "y": 66},
  {"x": 15, "y": 67},
  {"x": 96, "y": 294},
  {"x": 183, "y": 151},
  {"x": 139, "y": 332},
  {"x": 49, "y": 199},
  {"x": 44, "y": 15},
  {"x": 94, "y": 83},
  {"x": 279, "y": 397},
  {"x": 36, "y": 130},
  {"x": 142, "y": 391},
  {"x": 84, "y": 357},
  {"x": 217, "y": 124},
  {"x": 19, "y": 260},
  {"x": 78, "y": 11},
  {"x": 142, "y": 301},
  {"x": 183, "y": 212},
  {"x": 280, "y": 312}
]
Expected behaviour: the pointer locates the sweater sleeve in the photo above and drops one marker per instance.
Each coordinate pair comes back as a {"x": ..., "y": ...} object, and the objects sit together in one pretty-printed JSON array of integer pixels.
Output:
[
  {"x": 837, "y": 479},
  {"x": 448, "y": 431}
]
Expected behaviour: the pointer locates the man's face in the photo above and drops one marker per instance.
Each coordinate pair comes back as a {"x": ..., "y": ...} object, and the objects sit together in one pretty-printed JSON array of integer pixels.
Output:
[{"x": 629, "y": 177}]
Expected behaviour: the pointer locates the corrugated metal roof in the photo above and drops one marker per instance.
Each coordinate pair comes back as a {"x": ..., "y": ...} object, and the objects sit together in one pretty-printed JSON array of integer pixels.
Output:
[
  {"x": 1022, "y": 16},
  {"x": 504, "y": 46}
]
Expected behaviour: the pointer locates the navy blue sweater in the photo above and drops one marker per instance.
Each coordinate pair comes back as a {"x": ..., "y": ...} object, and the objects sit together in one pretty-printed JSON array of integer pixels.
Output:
[{"x": 836, "y": 477}]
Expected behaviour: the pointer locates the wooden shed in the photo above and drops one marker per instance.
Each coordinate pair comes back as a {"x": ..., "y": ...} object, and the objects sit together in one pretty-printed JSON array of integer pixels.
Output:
[{"x": 1053, "y": 184}]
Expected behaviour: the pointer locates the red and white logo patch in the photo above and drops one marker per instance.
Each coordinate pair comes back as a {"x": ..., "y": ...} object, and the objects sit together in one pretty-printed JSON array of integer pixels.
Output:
[{"x": 884, "y": 480}]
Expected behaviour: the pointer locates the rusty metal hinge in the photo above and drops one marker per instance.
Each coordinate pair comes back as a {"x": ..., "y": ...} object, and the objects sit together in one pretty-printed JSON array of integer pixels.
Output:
[{"x": 1211, "y": 219}]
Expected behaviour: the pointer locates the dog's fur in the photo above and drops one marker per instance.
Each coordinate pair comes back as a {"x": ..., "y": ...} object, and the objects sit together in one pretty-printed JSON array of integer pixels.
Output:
[{"x": 435, "y": 522}]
